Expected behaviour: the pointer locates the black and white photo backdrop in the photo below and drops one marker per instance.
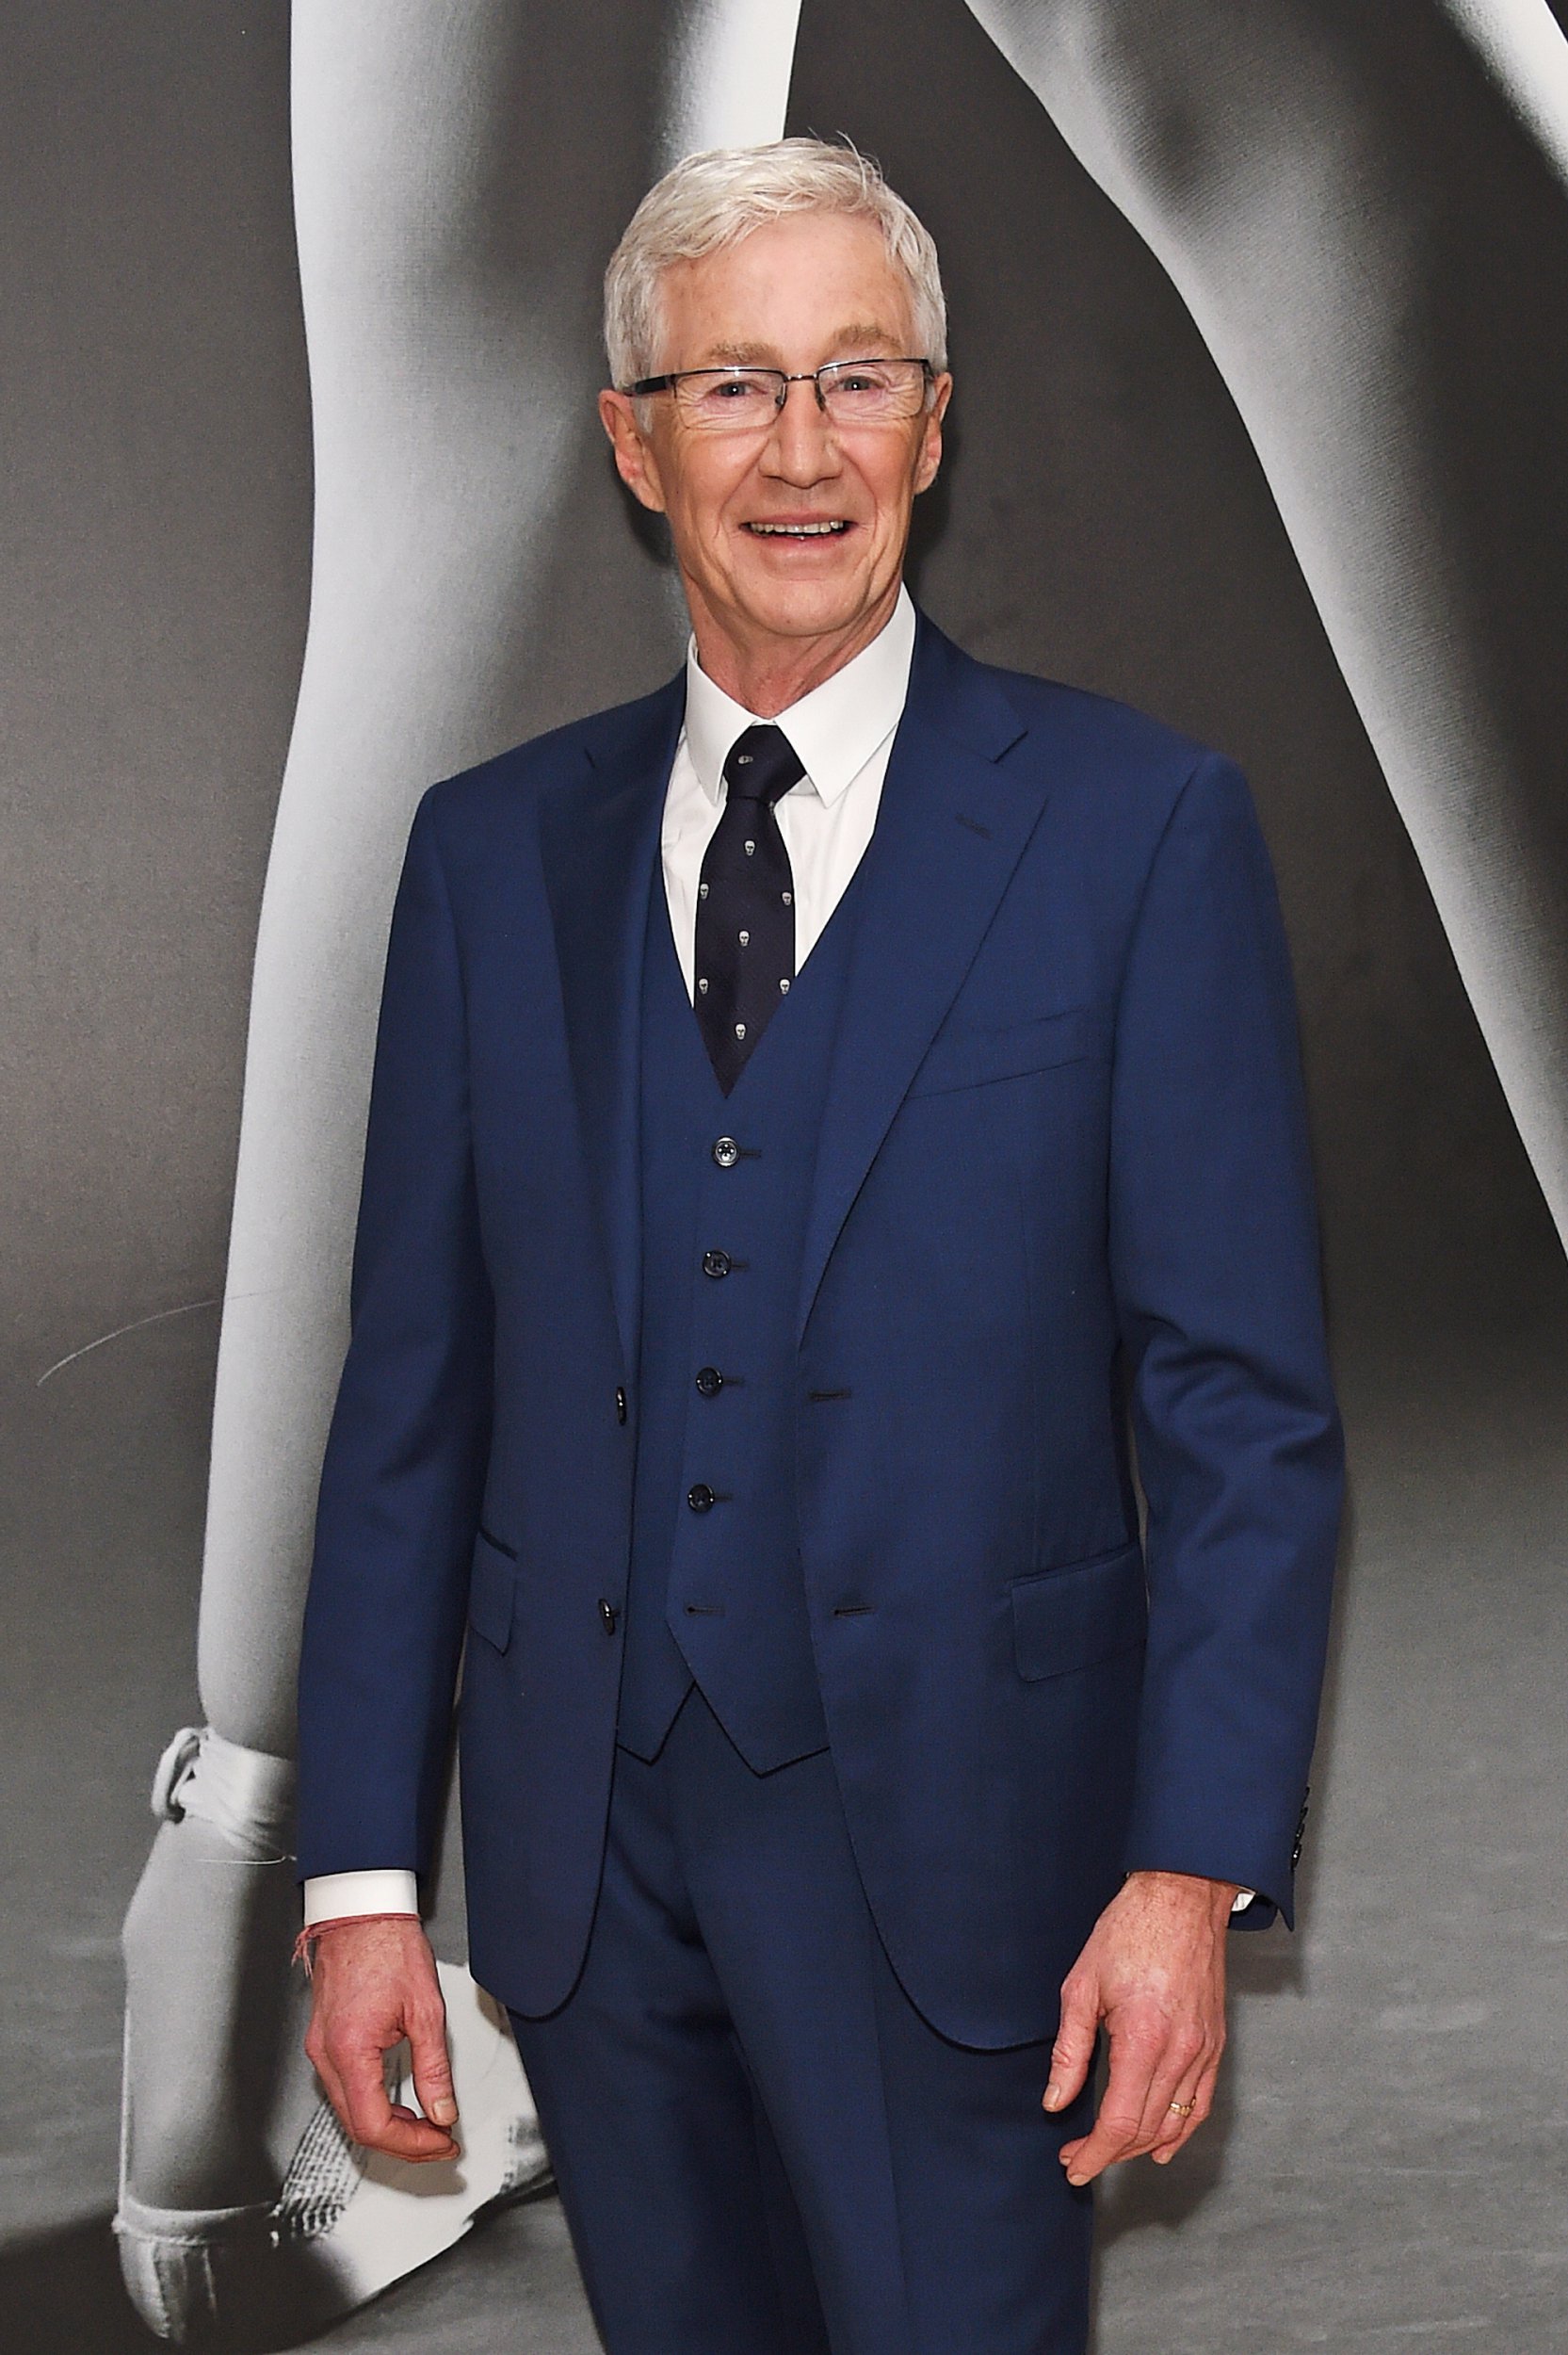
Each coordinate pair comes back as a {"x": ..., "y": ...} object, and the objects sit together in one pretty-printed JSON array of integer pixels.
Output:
[{"x": 1260, "y": 333}]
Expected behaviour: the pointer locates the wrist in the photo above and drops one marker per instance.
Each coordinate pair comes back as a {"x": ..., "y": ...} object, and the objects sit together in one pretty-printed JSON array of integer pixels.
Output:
[
  {"x": 1195, "y": 1889},
  {"x": 313, "y": 1932}
]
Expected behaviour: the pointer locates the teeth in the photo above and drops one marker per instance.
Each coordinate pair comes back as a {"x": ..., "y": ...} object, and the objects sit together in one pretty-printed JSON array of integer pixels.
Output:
[{"x": 797, "y": 531}]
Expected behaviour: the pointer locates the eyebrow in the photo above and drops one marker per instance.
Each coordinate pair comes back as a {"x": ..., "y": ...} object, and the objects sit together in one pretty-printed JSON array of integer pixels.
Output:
[{"x": 858, "y": 341}]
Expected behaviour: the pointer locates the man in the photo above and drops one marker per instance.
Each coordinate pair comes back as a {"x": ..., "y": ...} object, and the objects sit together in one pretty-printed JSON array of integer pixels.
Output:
[{"x": 809, "y": 1102}]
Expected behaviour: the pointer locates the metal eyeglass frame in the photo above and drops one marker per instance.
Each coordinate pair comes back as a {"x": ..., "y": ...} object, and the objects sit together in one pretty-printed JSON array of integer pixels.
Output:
[{"x": 782, "y": 377}]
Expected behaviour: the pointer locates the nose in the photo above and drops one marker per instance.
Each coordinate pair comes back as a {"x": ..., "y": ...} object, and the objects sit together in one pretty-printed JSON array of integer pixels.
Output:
[{"x": 802, "y": 447}]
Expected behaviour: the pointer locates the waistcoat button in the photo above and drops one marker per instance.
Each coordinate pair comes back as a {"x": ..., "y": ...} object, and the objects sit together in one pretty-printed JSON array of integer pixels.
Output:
[
  {"x": 710, "y": 1381},
  {"x": 608, "y": 1612},
  {"x": 620, "y": 1403},
  {"x": 726, "y": 1152},
  {"x": 699, "y": 1497},
  {"x": 716, "y": 1263}
]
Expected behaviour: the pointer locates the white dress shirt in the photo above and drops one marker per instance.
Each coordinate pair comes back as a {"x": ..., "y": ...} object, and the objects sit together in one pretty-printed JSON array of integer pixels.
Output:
[{"x": 842, "y": 733}]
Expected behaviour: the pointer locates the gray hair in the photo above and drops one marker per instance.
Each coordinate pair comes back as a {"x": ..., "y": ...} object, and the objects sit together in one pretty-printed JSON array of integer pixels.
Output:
[{"x": 714, "y": 199}]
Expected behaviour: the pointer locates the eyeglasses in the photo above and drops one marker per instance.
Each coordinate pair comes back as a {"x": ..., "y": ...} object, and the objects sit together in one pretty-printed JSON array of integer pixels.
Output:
[{"x": 741, "y": 400}]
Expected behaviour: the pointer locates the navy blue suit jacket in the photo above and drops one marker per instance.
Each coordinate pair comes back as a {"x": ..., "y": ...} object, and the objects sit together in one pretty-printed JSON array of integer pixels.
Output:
[{"x": 1064, "y": 1160}]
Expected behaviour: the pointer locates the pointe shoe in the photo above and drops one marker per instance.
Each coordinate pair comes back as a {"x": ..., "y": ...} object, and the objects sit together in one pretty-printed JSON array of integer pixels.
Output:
[{"x": 316, "y": 2225}]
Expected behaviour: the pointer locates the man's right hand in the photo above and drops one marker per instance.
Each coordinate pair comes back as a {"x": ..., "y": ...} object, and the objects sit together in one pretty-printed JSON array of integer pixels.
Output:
[{"x": 374, "y": 1984}]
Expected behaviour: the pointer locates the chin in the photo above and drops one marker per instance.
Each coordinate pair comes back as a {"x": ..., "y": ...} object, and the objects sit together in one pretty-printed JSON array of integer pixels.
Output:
[{"x": 809, "y": 608}]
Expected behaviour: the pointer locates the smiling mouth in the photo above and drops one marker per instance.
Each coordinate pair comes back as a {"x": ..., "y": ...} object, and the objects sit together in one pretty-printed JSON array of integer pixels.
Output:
[{"x": 831, "y": 528}]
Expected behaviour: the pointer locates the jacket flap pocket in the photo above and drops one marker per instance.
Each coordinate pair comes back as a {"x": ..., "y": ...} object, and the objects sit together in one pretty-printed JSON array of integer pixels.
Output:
[
  {"x": 491, "y": 1581},
  {"x": 1070, "y": 1618},
  {"x": 962, "y": 1059}
]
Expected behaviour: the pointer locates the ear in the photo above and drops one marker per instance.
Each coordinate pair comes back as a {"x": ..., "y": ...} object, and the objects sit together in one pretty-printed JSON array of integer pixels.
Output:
[
  {"x": 635, "y": 458},
  {"x": 930, "y": 443}
]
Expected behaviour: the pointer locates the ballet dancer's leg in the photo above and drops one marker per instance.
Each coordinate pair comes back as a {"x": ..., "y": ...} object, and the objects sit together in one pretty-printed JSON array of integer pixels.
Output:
[
  {"x": 441, "y": 369},
  {"x": 449, "y": 383},
  {"x": 454, "y": 214},
  {"x": 1521, "y": 44},
  {"x": 1271, "y": 159},
  {"x": 725, "y": 75}
]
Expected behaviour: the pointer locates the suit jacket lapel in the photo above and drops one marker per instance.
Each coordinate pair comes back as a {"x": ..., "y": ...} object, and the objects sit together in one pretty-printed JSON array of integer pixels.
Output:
[
  {"x": 599, "y": 841},
  {"x": 950, "y": 829}
]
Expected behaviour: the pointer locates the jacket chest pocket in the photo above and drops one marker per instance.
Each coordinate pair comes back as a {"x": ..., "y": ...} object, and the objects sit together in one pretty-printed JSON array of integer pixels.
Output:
[{"x": 969, "y": 1058}]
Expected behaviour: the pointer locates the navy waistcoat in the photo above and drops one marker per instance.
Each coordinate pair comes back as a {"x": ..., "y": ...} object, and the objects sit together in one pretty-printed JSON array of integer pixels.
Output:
[{"x": 716, "y": 1591}]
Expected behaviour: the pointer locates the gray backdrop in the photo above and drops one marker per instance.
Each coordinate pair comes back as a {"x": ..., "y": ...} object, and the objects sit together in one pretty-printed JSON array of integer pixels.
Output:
[{"x": 1394, "y": 2160}]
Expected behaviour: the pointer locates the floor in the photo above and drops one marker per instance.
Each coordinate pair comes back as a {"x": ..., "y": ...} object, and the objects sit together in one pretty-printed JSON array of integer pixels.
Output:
[{"x": 1391, "y": 2167}]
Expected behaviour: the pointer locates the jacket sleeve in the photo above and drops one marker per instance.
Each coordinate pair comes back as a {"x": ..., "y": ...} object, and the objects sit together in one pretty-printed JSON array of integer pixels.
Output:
[
  {"x": 405, "y": 1459},
  {"x": 1215, "y": 1263}
]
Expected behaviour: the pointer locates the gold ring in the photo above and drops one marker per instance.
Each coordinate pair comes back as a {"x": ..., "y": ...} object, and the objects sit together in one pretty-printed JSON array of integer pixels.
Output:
[{"x": 1184, "y": 2109}]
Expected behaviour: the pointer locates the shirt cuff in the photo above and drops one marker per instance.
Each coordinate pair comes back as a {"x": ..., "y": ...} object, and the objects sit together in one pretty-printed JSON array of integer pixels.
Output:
[
  {"x": 1243, "y": 1898},
  {"x": 328, "y": 1896}
]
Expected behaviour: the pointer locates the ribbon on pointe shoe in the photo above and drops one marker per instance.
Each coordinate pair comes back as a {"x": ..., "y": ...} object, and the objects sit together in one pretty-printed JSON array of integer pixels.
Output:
[{"x": 246, "y": 1794}]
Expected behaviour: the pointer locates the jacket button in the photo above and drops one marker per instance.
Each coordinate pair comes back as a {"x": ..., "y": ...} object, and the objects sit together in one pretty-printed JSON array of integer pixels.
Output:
[
  {"x": 699, "y": 1497},
  {"x": 608, "y": 1612},
  {"x": 1300, "y": 1834},
  {"x": 620, "y": 1403},
  {"x": 710, "y": 1381},
  {"x": 716, "y": 1263},
  {"x": 726, "y": 1152}
]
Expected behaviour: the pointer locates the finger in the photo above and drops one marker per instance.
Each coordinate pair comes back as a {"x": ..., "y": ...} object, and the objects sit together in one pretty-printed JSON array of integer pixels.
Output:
[
  {"x": 1202, "y": 2099},
  {"x": 370, "y": 2117},
  {"x": 431, "y": 2063},
  {"x": 1134, "y": 2055},
  {"x": 1181, "y": 2106},
  {"x": 1180, "y": 2109},
  {"x": 362, "y": 2073},
  {"x": 1180, "y": 2064},
  {"x": 1074, "y": 2050},
  {"x": 379, "y": 2124},
  {"x": 415, "y": 2139},
  {"x": 374, "y": 2121},
  {"x": 411, "y": 2137}
]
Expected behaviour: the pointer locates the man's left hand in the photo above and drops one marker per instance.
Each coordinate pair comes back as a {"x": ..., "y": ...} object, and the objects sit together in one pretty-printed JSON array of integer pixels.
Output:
[{"x": 1154, "y": 1971}]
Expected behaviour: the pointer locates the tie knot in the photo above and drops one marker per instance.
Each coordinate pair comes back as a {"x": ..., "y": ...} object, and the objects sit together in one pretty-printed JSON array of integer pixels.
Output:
[{"x": 762, "y": 764}]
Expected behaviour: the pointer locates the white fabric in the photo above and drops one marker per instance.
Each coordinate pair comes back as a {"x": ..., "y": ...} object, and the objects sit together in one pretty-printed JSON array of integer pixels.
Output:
[
  {"x": 246, "y": 1794},
  {"x": 328, "y": 1896}
]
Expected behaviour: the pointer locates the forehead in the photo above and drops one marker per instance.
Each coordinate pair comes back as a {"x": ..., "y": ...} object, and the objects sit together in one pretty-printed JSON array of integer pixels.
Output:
[{"x": 793, "y": 291}]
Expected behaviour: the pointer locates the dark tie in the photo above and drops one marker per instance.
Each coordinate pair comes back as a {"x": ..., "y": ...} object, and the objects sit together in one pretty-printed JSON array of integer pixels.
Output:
[{"x": 746, "y": 904}]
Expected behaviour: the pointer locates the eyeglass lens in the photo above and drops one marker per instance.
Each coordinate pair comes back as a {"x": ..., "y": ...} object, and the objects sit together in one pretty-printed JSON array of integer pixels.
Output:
[{"x": 858, "y": 392}]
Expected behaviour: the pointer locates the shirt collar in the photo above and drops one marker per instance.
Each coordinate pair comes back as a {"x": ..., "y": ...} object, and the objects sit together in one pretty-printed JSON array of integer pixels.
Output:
[{"x": 834, "y": 730}]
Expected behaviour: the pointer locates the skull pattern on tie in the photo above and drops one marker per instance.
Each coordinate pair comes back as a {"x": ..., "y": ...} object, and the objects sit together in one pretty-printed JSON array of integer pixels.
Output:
[{"x": 745, "y": 942}]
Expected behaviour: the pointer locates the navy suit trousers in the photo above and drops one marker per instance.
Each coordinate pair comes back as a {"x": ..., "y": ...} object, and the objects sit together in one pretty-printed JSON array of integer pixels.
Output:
[{"x": 762, "y": 2147}]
